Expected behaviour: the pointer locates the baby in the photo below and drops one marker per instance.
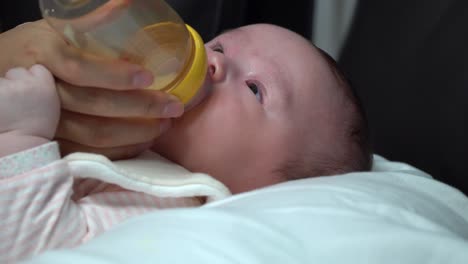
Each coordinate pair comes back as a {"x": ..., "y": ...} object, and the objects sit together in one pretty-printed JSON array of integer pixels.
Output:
[{"x": 279, "y": 110}]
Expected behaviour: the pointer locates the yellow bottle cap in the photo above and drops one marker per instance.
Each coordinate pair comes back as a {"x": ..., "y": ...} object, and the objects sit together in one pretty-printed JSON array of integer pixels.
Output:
[{"x": 193, "y": 80}]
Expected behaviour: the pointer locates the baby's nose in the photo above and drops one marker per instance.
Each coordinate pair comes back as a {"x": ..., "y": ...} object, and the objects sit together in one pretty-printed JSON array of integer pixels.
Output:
[{"x": 216, "y": 65}]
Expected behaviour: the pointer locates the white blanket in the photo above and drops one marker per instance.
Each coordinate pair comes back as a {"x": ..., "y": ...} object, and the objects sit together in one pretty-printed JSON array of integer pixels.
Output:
[{"x": 395, "y": 214}]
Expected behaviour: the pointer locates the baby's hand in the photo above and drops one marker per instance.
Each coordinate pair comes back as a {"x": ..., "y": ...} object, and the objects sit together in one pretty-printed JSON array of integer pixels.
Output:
[{"x": 29, "y": 108}]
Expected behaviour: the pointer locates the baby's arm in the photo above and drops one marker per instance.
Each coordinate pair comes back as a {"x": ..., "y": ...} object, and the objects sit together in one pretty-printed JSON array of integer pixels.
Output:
[
  {"x": 42, "y": 206},
  {"x": 29, "y": 109},
  {"x": 35, "y": 208},
  {"x": 35, "y": 187}
]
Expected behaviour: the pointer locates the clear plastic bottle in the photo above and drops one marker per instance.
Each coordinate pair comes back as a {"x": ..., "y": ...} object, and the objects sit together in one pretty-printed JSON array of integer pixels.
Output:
[{"x": 146, "y": 32}]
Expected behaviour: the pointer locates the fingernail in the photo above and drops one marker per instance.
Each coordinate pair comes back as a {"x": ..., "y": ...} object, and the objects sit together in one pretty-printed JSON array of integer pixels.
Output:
[
  {"x": 174, "y": 108},
  {"x": 164, "y": 125},
  {"x": 142, "y": 79}
]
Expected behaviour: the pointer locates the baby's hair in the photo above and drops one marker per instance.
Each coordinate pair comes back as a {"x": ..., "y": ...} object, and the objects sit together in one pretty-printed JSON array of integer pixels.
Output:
[{"x": 358, "y": 157}]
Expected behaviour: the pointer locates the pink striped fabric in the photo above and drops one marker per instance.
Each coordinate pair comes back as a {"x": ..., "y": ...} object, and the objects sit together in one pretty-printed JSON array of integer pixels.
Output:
[{"x": 46, "y": 208}]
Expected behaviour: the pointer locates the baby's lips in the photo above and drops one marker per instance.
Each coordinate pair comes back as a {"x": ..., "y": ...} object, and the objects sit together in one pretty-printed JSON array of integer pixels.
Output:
[{"x": 202, "y": 94}]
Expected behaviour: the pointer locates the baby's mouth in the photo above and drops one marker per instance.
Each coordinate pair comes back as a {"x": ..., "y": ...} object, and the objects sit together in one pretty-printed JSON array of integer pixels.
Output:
[{"x": 202, "y": 94}]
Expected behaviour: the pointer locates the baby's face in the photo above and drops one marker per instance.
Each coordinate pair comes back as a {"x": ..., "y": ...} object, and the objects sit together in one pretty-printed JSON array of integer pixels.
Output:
[{"x": 270, "y": 87}]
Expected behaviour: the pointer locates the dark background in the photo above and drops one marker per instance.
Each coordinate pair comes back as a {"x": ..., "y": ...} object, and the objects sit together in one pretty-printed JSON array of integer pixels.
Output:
[
  {"x": 407, "y": 59},
  {"x": 210, "y": 18}
]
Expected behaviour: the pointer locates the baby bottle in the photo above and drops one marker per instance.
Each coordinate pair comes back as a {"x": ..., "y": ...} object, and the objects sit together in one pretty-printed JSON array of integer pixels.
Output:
[{"x": 145, "y": 32}]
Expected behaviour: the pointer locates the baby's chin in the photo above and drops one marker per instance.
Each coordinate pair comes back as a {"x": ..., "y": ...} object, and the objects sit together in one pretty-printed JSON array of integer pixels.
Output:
[
  {"x": 165, "y": 145},
  {"x": 171, "y": 144},
  {"x": 187, "y": 137}
]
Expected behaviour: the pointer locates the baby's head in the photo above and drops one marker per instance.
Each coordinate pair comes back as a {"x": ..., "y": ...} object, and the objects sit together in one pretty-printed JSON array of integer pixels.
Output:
[{"x": 279, "y": 110}]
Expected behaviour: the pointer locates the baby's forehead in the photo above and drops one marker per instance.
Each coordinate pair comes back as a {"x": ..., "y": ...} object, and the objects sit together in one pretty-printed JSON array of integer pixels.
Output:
[
  {"x": 308, "y": 67},
  {"x": 290, "y": 60},
  {"x": 318, "y": 86}
]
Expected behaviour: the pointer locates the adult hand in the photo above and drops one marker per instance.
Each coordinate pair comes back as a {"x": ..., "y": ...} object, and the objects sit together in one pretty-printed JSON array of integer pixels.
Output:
[{"x": 104, "y": 108}]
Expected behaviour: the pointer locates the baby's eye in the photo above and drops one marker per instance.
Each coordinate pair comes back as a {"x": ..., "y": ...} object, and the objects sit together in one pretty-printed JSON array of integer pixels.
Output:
[
  {"x": 255, "y": 90},
  {"x": 217, "y": 47}
]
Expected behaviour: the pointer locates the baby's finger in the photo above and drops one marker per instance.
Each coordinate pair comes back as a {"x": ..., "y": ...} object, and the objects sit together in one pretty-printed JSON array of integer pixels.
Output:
[
  {"x": 5, "y": 89},
  {"x": 108, "y": 103},
  {"x": 40, "y": 71},
  {"x": 17, "y": 74},
  {"x": 114, "y": 153},
  {"x": 108, "y": 132}
]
